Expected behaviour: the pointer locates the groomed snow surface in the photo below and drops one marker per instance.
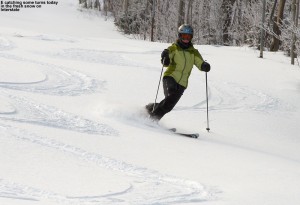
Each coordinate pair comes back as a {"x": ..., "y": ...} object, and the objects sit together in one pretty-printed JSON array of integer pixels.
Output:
[{"x": 73, "y": 129}]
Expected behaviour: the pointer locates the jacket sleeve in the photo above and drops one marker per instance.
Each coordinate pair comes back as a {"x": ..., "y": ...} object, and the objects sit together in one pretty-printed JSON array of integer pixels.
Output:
[{"x": 198, "y": 59}]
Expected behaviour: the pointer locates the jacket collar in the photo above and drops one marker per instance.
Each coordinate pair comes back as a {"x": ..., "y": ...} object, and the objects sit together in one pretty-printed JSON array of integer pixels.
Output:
[{"x": 183, "y": 45}]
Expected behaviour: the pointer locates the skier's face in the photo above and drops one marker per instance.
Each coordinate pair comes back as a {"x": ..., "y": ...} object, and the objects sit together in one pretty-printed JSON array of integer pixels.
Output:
[{"x": 186, "y": 38}]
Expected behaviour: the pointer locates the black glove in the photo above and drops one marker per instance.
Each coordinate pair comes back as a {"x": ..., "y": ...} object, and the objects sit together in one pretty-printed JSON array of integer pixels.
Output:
[
  {"x": 165, "y": 60},
  {"x": 205, "y": 67}
]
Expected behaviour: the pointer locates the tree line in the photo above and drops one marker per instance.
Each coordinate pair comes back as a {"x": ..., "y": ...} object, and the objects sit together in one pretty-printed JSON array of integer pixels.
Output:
[{"x": 265, "y": 24}]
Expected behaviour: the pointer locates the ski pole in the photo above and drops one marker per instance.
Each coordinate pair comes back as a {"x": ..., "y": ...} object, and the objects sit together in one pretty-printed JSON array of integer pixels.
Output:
[
  {"x": 207, "y": 103},
  {"x": 158, "y": 84}
]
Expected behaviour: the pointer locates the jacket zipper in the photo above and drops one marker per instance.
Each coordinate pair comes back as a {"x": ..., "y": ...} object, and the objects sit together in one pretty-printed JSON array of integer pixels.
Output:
[{"x": 183, "y": 67}]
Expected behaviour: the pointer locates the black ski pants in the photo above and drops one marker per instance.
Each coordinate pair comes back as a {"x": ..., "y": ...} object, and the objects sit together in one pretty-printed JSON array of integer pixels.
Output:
[{"x": 173, "y": 92}]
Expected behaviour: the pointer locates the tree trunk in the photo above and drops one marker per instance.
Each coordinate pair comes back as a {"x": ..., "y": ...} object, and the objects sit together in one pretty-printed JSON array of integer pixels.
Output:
[
  {"x": 181, "y": 13},
  {"x": 152, "y": 20},
  {"x": 272, "y": 12},
  {"x": 262, "y": 34},
  {"x": 295, "y": 10},
  {"x": 97, "y": 5},
  {"x": 276, "y": 28},
  {"x": 189, "y": 16},
  {"x": 227, "y": 11}
]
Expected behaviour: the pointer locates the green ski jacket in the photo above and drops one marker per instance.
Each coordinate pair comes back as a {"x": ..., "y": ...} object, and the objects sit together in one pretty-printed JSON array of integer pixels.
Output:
[{"x": 182, "y": 62}]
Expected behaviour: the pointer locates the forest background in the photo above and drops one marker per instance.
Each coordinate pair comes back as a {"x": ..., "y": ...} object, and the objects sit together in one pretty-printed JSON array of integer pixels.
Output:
[{"x": 264, "y": 24}]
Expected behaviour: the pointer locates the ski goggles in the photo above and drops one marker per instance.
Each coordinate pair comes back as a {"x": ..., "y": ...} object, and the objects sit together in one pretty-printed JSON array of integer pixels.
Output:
[{"x": 186, "y": 36}]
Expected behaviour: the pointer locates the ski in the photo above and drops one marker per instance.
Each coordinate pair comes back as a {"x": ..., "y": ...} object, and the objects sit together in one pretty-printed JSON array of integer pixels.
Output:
[
  {"x": 191, "y": 135},
  {"x": 149, "y": 107}
]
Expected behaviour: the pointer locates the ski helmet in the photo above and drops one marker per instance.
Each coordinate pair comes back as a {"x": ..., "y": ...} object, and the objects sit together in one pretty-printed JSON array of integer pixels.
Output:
[{"x": 185, "y": 29}]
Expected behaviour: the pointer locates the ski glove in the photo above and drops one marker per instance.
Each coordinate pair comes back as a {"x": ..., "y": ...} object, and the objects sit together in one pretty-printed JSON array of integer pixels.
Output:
[
  {"x": 205, "y": 67},
  {"x": 165, "y": 59}
]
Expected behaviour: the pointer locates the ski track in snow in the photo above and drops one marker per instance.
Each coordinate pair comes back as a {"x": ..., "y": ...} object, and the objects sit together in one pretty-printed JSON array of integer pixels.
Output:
[
  {"x": 6, "y": 44},
  {"x": 58, "y": 80},
  {"x": 101, "y": 57},
  {"x": 146, "y": 186},
  {"x": 26, "y": 111},
  {"x": 47, "y": 37},
  {"x": 235, "y": 97}
]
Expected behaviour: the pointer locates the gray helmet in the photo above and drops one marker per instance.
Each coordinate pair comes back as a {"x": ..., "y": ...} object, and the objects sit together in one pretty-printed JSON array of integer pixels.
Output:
[{"x": 185, "y": 28}]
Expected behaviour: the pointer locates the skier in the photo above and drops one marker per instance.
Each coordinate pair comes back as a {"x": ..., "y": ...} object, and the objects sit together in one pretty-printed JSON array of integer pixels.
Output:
[{"x": 179, "y": 58}]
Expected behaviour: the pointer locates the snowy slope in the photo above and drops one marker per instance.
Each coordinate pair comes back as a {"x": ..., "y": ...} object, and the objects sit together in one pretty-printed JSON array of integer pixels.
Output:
[{"x": 73, "y": 130}]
